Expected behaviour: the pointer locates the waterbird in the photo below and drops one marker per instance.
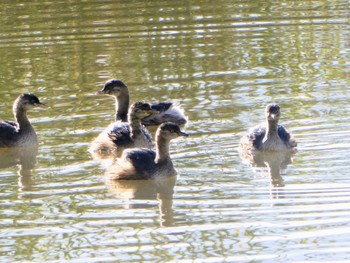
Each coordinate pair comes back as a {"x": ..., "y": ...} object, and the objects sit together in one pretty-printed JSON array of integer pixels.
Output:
[
  {"x": 21, "y": 132},
  {"x": 141, "y": 163},
  {"x": 269, "y": 136},
  {"x": 166, "y": 111},
  {"x": 121, "y": 135}
]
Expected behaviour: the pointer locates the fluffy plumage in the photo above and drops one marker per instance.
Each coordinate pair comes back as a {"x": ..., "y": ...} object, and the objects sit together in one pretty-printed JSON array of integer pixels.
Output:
[
  {"x": 21, "y": 132},
  {"x": 269, "y": 136},
  {"x": 122, "y": 135},
  {"x": 137, "y": 164}
]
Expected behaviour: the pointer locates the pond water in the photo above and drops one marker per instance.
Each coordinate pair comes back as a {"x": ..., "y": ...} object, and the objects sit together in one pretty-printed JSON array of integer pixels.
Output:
[{"x": 224, "y": 63}]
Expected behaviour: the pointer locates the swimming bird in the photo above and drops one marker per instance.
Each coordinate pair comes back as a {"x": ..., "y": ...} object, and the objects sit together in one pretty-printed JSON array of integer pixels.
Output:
[
  {"x": 167, "y": 111},
  {"x": 20, "y": 133},
  {"x": 139, "y": 164},
  {"x": 269, "y": 136},
  {"x": 121, "y": 135}
]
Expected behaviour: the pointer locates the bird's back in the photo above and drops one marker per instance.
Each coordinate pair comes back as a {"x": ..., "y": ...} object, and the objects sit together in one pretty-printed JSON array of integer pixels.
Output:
[
  {"x": 255, "y": 138},
  {"x": 142, "y": 160},
  {"x": 9, "y": 135},
  {"x": 168, "y": 112},
  {"x": 161, "y": 106},
  {"x": 119, "y": 133},
  {"x": 134, "y": 164}
]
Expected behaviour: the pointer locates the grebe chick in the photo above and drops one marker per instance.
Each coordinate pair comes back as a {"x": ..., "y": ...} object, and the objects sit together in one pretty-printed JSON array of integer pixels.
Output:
[
  {"x": 121, "y": 135},
  {"x": 167, "y": 111},
  {"x": 270, "y": 136},
  {"x": 140, "y": 164},
  {"x": 21, "y": 132}
]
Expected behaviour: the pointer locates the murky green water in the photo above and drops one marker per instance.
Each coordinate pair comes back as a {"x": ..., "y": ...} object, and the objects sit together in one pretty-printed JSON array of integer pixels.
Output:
[{"x": 223, "y": 62}]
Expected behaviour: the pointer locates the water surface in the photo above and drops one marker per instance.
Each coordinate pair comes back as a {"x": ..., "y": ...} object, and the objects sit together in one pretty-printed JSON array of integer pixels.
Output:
[{"x": 223, "y": 63}]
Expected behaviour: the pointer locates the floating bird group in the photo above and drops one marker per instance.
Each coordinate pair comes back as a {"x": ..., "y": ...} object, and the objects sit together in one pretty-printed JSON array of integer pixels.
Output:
[{"x": 128, "y": 141}]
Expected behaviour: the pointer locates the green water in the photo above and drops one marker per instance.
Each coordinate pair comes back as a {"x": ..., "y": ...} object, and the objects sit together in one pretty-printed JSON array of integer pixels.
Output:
[{"x": 223, "y": 62}]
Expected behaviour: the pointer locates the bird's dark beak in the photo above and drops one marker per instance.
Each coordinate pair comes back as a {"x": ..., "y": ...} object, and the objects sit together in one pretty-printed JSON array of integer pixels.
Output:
[
  {"x": 100, "y": 92},
  {"x": 41, "y": 105},
  {"x": 181, "y": 133}
]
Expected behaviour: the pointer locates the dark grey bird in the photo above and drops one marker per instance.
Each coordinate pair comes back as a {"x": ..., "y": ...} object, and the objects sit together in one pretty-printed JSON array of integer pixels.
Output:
[
  {"x": 167, "y": 111},
  {"x": 138, "y": 164},
  {"x": 121, "y": 135},
  {"x": 21, "y": 132},
  {"x": 269, "y": 136}
]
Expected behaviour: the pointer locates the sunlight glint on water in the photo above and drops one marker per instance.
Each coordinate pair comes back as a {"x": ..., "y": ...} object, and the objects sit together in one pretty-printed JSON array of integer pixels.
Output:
[{"x": 223, "y": 63}]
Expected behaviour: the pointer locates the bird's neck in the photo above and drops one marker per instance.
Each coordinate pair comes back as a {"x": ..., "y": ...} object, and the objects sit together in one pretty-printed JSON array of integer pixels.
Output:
[
  {"x": 162, "y": 149},
  {"x": 135, "y": 126},
  {"x": 121, "y": 107},
  {"x": 272, "y": 127},
  {"x": 21, "y": 118}
]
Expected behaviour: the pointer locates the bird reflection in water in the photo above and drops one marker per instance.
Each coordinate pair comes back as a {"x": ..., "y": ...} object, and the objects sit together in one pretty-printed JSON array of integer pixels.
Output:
[
  {"x": 22, "y": 157},
  {"x": 161, "y": 189},
  {"x": 273, "y": 163}
]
